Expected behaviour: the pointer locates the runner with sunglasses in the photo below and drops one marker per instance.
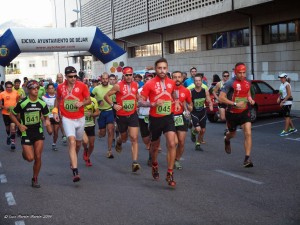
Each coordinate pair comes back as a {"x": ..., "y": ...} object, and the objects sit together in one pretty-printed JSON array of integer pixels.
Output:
[
  {"x": 71, "y": 97},
  {"x": 30, "y": 111},
  {"x": 126, "y": 114}
]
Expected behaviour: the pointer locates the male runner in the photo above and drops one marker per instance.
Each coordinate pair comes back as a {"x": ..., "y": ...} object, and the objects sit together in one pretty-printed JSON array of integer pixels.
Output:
[{"x": 236, "y": 94}]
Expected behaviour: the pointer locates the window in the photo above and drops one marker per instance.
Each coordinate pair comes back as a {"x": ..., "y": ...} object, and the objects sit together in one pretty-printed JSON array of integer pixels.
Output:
[
  {"x": 31, "y": 64},
  {"x": 228, "y": 39},
  {"x": 281, "y": 32},
  {"x": 44, "y": 63},
  {"x": 146, "y": 50},
  {"x": 183, "y": 45}
]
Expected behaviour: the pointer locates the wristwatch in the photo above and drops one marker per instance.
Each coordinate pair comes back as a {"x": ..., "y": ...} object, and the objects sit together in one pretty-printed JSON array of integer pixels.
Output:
[
  {"x": 112, "y": 104},
  {"x": 234, "y": 104}
]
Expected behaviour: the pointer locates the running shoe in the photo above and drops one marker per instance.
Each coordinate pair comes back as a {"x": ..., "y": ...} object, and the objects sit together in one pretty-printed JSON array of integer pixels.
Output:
[
  {"x": 227, "y": 146},
  {"x": 193, "y": 136},
  {"x": 155, "y": 173},
  {"x": 284, "y": 133},
  {"x": 85, "y": 154},
  {"x": 135, "y": 167},
  {"x": 64, "y": 139},
  {"x": 12, "y": 146},
  {"x": 54, "y": 148},
  {"x": 248, "y": 163},
  {"x": 170, "y": 180},
  {"x": 292, "y": 130},
  {"x": 8, "y": 141},
  {"x": 177, "y": 165},
  {"x": 34, "y": 183},
  {"x": 88, "y": 163},
  {"x": 118, "y": 147},
  {"x": 76, "y": 176},
  {"x": 198, "y": 147},
  {"x": 109, "y": 155}
]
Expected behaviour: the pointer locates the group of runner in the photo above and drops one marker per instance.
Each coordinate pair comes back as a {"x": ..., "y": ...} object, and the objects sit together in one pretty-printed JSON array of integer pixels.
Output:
[{"x": 162, "y": 106}]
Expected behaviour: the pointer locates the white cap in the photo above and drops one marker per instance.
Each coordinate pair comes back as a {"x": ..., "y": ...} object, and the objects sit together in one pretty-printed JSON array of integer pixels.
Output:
[{"x": 283, "y": 75}]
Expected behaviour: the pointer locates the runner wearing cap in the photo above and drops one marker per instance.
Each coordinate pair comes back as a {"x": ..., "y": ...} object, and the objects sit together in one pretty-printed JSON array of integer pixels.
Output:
[
  {"x": 30, "y": 111},
  {"x": 127, "y": 119},
  {"x": 286, "y": 101},
  {"x": 71, "y": 97},
  {"x": 236, "y": 94},
  {"x": 160, "y": 92}
]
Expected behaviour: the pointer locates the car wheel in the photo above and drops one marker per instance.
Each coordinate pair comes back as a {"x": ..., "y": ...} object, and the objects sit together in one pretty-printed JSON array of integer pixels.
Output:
[
  {"x": 253, "y": 114},
  {"x": 213, "y": 118}
]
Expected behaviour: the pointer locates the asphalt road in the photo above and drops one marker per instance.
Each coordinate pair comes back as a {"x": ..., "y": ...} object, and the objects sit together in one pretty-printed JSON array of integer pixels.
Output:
[{"x": 212, "y": 189}]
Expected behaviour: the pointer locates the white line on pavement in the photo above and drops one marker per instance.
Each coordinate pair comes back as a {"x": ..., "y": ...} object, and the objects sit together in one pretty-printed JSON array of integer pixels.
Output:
[
  {"x": 294, "y": 139},
  {"x": 3, "y": 178},
  {"x": 239, "y": 177},
  {"x": 20, "y": 222},
  {"x": 10, "y": 198}
]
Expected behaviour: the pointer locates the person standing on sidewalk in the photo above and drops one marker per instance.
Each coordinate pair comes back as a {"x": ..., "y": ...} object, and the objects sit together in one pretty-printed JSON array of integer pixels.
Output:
[
  {"x": 181, "y": 124},
  {"x": 236, "y": 94},
  {"x": 160, "y": 92},
  {"x": 286, "y": 101},
  {"x": 30, "y": 110},
  {"x": 8, "y": 100},
  {"x": 127, "y": 119},
  {"x": 71, "y": 98}
]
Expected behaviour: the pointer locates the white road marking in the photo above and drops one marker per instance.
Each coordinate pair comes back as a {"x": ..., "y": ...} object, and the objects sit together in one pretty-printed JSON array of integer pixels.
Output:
[
  {"x": 10, "y": 198},
  {"x": 238, "y": 176},
  {"x": 294, "y": 139},
  {"x": 3, "y": 178},
  {"x": 20, "y": 222}
]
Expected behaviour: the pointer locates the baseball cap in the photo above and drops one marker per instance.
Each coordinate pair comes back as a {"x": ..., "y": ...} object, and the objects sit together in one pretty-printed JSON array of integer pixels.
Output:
[
  {"x": 127, "y": 70},
  {"x": 32, "y": 84},
  {"x": 283, "y": 75},
  {"x": 70, "y": 69},
  {"x": 148, "y": 75}
]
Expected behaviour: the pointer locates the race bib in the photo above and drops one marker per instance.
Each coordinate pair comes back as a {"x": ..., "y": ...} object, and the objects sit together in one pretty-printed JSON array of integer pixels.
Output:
[
  {"x": 199, "y": 103},
  {"x": 178, "y": 120},
  {"x": 32, "y": 118},
  {"x": 238, "y": 99},
  {"x": 128, "y": 105},
  {"x": 70, "y": 105},
  {"x": 88, "y": 117},
  {"x": 165, "y": 109}
]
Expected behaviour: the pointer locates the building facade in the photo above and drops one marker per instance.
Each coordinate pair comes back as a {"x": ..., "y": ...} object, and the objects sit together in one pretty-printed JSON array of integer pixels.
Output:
[{"x": 212, "y": 35}]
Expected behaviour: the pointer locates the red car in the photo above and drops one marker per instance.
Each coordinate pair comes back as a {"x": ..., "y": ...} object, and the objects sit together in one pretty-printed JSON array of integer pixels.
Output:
[{"x": 265, "y": 101}]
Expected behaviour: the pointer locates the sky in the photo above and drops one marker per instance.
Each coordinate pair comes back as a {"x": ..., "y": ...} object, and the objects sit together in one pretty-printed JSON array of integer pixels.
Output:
[{"x": 36, "y": 12}]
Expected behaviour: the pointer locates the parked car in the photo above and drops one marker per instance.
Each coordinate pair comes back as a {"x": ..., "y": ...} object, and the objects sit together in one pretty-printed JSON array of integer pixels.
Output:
[{"x": 265, "y": 102}]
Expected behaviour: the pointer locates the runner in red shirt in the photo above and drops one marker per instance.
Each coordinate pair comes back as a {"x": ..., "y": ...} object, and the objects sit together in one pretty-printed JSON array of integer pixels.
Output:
[
  {"x": 160, "y": 91},
  {"x": 236, "y": 94},
  {"x": 127, "y": 118},
  {"x": 71, "y": 97},
  {"x": 181, "y": 124}
]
